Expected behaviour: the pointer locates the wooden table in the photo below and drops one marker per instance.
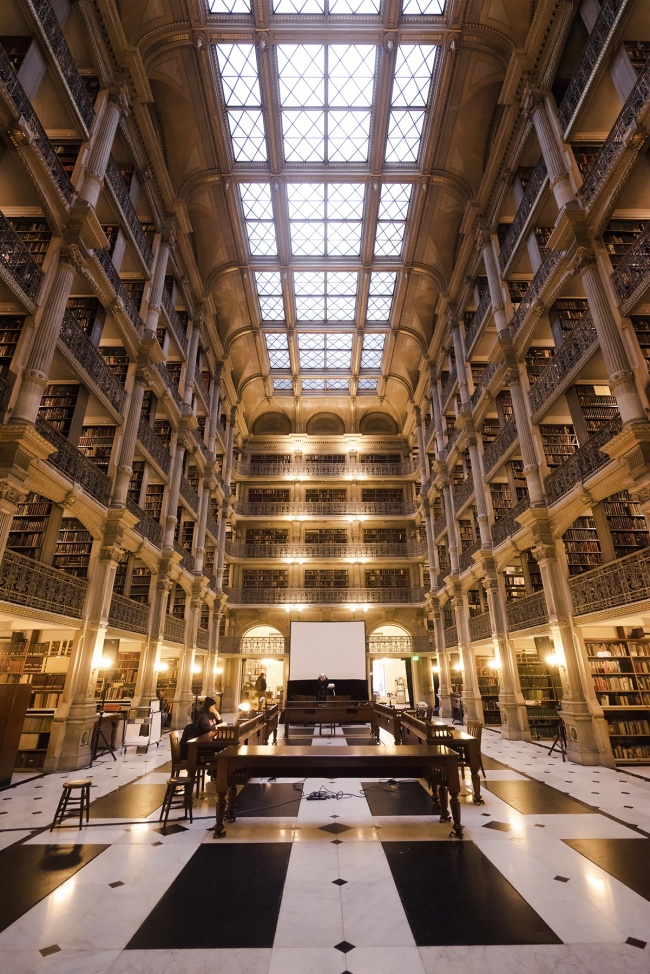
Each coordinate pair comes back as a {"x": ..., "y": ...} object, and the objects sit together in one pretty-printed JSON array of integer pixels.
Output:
[
  {"x": 437, "y": 764},
  {"x": 414, "y": 729},
  {"x": 329, "y": 712}
]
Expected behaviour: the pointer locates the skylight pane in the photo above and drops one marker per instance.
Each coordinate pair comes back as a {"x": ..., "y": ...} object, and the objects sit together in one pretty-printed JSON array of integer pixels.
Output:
[
  {"x": 306, "y": 201},
  {"x": 332, "y": 385},
  {"x": 282, "y": 385},
  {"x": 380, "y": 297},
  {"x": 389, "y": 239},
  {"x": 373, "y": 347},
  {"x": 410, "y": 95},
  {"x": 351, "y": 72},
  {"x": 393, "y": 210},
  {"x": 311, "y": 340},
  {"x": 278, "y": 350},
  {"x": 261, "y": 239},
  {"x": 299, "y": 7},
  {"x": 342, "y": 283},
  {"x": 340, "y": 308},
  {"x": 239, "y": 77},
  {"x": 367, "y": 385},
  {"x": 258, "y": 214},
  {"x": 404, "y": 135},
  {"x": 422, "y": 8},
  {"x": 301, "y": 71},
  {"x": 313, "y": 385},
  {"x": 309, "y": 282},
  {"x": 230, "y": 6},
  {"x": 357, "y": 7}
]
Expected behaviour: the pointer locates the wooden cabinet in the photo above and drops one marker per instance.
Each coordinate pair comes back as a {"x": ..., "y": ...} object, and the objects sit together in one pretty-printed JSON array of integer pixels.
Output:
[{"x": 14, "y": 699}]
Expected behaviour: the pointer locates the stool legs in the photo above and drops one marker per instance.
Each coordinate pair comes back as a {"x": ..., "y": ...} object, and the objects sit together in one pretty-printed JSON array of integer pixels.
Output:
[
  {"x": 71, "y": 802},
  {"x": 179, "y": 794}
]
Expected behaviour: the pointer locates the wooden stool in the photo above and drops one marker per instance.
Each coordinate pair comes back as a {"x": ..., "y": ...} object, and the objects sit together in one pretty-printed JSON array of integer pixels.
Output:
[
  {"x": 75, "y": 797},
  {"x": 178, "y": 795}
]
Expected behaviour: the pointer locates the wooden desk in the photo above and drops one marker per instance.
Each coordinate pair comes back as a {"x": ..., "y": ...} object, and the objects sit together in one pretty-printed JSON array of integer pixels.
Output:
[
  {"x": 389, "y": 719},
  {"x": 271, "y": 720},
  {"x": 415, "y": 730},
  {"x": 201, "y": 750},
  {"x": 437, "y": 764},
  {"x": 329, "y": 712}
]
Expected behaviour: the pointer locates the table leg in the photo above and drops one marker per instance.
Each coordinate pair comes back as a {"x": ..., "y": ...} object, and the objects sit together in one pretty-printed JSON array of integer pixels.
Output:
[
  {"x": 444, "y": 805},
  {"x": 286, "y": 730},
  {"x": 476, "y": 787},
  {"x": 231, "y": 811},
  {"x": 219, "y": 830},
  {"x": 275, "y": 734},
  {"x": 457, "y": 830}
]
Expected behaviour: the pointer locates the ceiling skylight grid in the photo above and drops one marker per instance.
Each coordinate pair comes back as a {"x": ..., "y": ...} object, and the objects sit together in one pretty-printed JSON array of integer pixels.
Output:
[
  {"x": 325, "y": 99},
  {"x": 422, "y": 8},
  {"x": 278, "y": 349},
  {"x": 258, "y": 215},
  {"x": 241, "y": 91},
  {"x": 269, "y": 291},
  {"x": 409, "y": 99},
  {"x": 380, "y": 295},
  {"x": 373, "y": 348},
  {"x": 230, "y": 6},
  {"x": 325, "y": 219},
  {"x": 334, "y": 7},
  {"x": 391, "y": 223},
  {"x": 283, "y": 385},
  {"x": 320, "y": 351},
  {"x": 325, "y": 296},
  {"x": 367, "y": 385}
]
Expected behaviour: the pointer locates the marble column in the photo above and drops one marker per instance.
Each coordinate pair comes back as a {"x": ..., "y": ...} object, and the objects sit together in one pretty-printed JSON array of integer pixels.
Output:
[
  {"x": 172, "y": 496},
  {"x": 522, "y": 422},
  {"x": 129, "y": 439},
  {"x": 556, "y": 167},
  {"x": 472, "y": 703},
  {"x": 158, "y": 280},
  {"x": 101, "y": 144},
  {"x": 514, "y": 717},
  {"x": 145, "y": 689}
]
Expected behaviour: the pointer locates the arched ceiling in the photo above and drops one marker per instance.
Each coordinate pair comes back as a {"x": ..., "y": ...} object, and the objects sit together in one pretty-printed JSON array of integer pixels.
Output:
[{"x": 326, "y": 152}]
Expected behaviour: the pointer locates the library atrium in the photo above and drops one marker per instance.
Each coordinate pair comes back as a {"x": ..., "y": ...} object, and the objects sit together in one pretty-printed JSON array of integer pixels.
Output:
[{"x": 325, "y": 311}]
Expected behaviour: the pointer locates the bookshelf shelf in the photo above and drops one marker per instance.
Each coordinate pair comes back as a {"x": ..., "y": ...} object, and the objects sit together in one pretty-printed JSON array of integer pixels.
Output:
[
  {"x": 622, "y": 686},
  {"x": 542, "y": 695}
]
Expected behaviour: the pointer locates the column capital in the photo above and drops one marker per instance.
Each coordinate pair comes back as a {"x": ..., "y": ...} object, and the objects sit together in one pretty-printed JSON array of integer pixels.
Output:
[
  {"x": 583, "y": 258},
  {"x": 71, "y": 255}
]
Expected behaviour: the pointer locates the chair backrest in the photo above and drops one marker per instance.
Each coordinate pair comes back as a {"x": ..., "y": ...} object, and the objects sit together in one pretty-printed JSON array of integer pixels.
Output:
[
  {"x": 187, "y": 735},
  {"x": 474, "y": 729},
  {"x": 175, "y": 747},
  {"x": 443, "y": 732}
]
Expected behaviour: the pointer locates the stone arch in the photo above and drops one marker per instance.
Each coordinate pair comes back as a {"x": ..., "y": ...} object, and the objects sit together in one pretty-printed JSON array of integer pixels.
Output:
[
  {"x": 325, "y": 423},
  {"x": 378, "y": 423},
  {"x": 272, "y": 423}
]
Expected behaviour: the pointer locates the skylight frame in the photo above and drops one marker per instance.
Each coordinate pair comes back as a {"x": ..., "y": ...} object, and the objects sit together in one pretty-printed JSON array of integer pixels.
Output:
[{"x": 242, "y": 96}]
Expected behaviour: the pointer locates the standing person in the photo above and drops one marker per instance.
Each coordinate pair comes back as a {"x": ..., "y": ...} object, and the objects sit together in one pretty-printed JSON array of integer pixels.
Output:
[
  {"x": 260, "y": 686},
  {"x": 321, "y": 689},
  {"x": 207, "y": 718},
  {"x": 164, "y": 708}
]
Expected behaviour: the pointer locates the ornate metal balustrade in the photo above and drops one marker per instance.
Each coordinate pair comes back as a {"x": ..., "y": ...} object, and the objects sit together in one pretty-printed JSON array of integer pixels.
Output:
[
  {"x": 75, "y": 340},
  {"x": 146, "y": 526},
  {"x": 474, "y": 327},
  {"x": 293, "y": 471},
  {"x": 532, "y": 194},
  {"x": 398, "y": 645},
  {"x": 465, "y": 559},
  {"x": 507, "y": 525},
  {"x": 619, "y": 137},
  {"x": 485, "y": 380},
  {"x": 203, "y": 389},
  {"x": 127, "y": 614},
  {"x": 535, "y": 289},
  {"x": 325, "y": 596},
  {"x": 463, "y": 494},
  {"x": 325, "y": 508},
  {"x": 26, "y": 582},
  {"x": 592, "y": 56},
  {"x": 168, "y": 382},
  {"x": 52, "y": 36},
  {"x": 480, "y": 627},
  {"x": 346, "y": 551},
  {"x": 584, "y": 463},
  {"x": 187, "y": 558},
  {"x": 18, "y": 269},
  {"x": 156, "y": 450},
  {"x": 439, "y": 526},
  {"x": 450, "y": 637},
  {"x": 37, "y": 136},
  {"x": 121, "y": 197},
  {"x": 212, "y": 526},
  {"x": 212, "y": 580},
  {"x": 103, "y": 258},
  {"x": 203, "y": 639},
  {"x": 174, "y": 629},
  {"x": 527, "y": 613},
  {"x": 619, "y": 584},
  {"x": 448, "y": 386},
  {"x": 496, "y": 451},
  {"x": 175, "y": 322},
  {"x": 452, "y": 436},
  {"x": 74, "y": 465},
  {"x": 188, "y": 494},
  {"x": 632, "y": 276},
  {"x": 253, "y": 645},
  {"x": 565, "y": 365},
  {"x": 197, "y": 436}
]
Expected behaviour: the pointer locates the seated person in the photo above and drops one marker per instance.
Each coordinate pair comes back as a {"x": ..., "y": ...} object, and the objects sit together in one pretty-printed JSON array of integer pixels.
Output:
[{"x": 207, "y": 718}]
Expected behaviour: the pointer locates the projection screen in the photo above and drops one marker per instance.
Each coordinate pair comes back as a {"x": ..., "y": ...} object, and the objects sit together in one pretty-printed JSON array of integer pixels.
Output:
[{"x": 335, "y": 648}]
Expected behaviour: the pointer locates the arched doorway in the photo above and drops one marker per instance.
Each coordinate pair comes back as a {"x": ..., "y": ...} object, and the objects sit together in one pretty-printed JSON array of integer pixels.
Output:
[
  {"x": 262, "y": 650},
  {"x": 390, "y": 647}
]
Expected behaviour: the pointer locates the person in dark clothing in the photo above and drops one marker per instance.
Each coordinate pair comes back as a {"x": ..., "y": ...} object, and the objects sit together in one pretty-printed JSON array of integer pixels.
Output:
[
  {"x": 260, "y": 687},
  {"x": 207, "y": 718},
  {"x": 322, "y": 692}
]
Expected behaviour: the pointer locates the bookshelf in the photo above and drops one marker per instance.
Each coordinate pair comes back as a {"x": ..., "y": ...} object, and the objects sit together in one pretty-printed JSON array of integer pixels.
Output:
[
  {"x": 542, "y": 235},
  {"x": 266, "y": 536},
  {"x": 542, "y": 693},
  {"x": 627, "y": 525},
  {"x": 67, "y": 152},
  {"x": 153, "y": 500},
  {"x": 537, "y": 358},
  {"x": 271, "y": 458},
  {"x": 273, "y": 495},
  {"x": 317, "y": 495},
  {"x": 96, "y": 442},
  {"x": 326, "y": 458},
  {"x": 489, "y": 430},
  {"x": 597, "y": 405},
  {"x": 515, "y": 583},
  {"x": 265, "y": 578},
  {"x": 10, "y": 329},
  {"x": 16, "y": 47},
  {"x": 326, "y": 578},
  {"x": 379, "y": 458},
  {"x": 117, "y": 359},
  {"x": 383, "y": 536},
  {"x": 501, "y": 499},
  {"x": 620, "y": 670},
  {"x": 135, "y": 290},
  {"x": 620, "y": 236},
  {"x": 73, "y": 547},
  {"x": 163, "y": 430},
  {"x": 585, "y": 154},
  {"x": 641, "y": 325},
  {"x": 559, "y": 442},
  {"x": 517, "y": 290},
  {"x": 381, "y": 494},
  {"x": 388, "y": 578},
  {"x": 504, "y": 402},
  {"x": 488, "y": 684},
  {"x": 119, "y": 682},
  {"x": 519, "y": 477},
  {"x": 582, "y": 546},
  {"x": 136, "y": 480},
  {"x": 58, "y": 406},
  {"x": 34, "y": 233},
  {"x": 29, "y": 525},
  {"x": 466, "y": 533},
  {"x": 140, "y": 584},
  {"x": 638, "y": 53},
  {"x": 534, "y": 572},
  {"x": 85, "y": 311},
  {"x": 569, "y": 312}
]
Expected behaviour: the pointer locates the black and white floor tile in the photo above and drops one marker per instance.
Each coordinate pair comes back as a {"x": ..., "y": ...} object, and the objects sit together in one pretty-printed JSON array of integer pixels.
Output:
[{"x": 551, "y": 878}]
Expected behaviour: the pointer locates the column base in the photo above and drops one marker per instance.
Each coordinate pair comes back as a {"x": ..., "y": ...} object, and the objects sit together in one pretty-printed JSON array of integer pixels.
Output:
[
  {"x": 182, "y": 711},
  {"x": 472, "y": 706},
  {"x": 445, "y": 704},
  {"x": 584, "y": 734},
  {"x": 71, "y": 740},
  {"x": 514, "y": 721}
]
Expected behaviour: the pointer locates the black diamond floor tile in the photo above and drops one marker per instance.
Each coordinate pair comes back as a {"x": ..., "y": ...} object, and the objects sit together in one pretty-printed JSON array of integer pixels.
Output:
[
  {"x": 498, "y": 826},
  {"x": 344, "y": 947},
  {"x": 335, "y": 828},
  {"x": 339, "y": 882}
]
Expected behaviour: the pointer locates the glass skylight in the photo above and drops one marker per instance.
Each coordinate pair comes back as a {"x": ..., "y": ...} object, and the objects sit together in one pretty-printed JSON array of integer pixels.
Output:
[
  {"x": 335, "y": 385},
  {"x": 258, "y": 214},
  {"x": 241, "y": 92},
  {"x": 325, "y": 219},
  {"x": 411, "y": 86},
  {"x": 373, "y": 347},
  {"x": 320, "y": 351},
  {"x": 282, "y": 385},
  {"x": 327, "y": 296},
  {"x": 367, "y": 385},
  {"x": 313, "y": 385},
  {"x": 422, "y": 8},
  {"x": 278, "y": 349},
  {"x": 325, "y": 96},
  {"x": 393, "y": 209},
  {"x": 229, "y": 6},
  {"x": 269, "y": 290},
  {"x": 338, "y": 7},
  {"x": 380, "y": 296}
]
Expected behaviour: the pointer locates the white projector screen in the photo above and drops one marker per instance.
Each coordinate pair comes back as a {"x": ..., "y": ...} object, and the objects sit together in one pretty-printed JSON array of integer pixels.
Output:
[{"x": 335, "y": 648}]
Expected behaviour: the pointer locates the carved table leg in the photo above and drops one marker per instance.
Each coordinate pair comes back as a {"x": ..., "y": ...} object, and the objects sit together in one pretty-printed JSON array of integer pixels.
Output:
[
  {"x": 444, "y": 805},
  {"x": 219, "y": 830},
  {"x": 457, "y": 830},
  {"x": 476, "y": 787},
  {"x": 231, "y": 814}
]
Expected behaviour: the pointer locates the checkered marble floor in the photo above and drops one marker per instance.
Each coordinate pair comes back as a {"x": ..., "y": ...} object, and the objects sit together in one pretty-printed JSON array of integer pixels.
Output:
[{"x": 553, "y": 874}]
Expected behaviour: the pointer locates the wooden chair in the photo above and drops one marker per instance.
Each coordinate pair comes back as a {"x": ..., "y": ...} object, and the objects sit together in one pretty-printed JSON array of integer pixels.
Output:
[
  {"x": 180, "y": 765},
  {"x": 475, "y": 729},
  {"x": 178, "y": 793},
  {"x": 74, "y": 800}
]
